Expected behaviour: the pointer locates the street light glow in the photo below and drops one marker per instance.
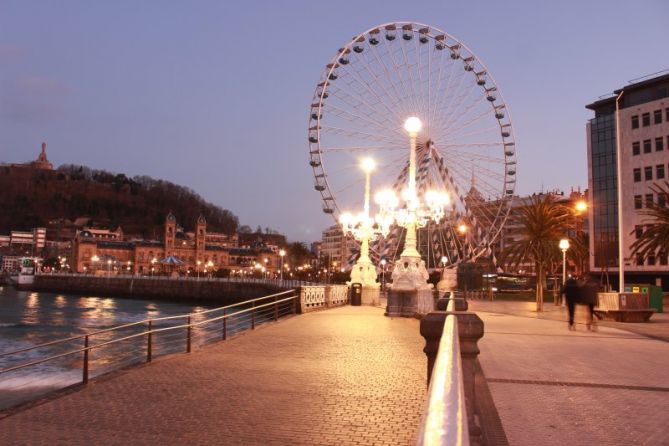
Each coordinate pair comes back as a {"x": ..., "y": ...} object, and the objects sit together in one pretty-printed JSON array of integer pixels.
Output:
[
  {"x": 581, "y": 206},
  {"x": 367, "y": 165},
  {"x": 413, "y": 125},
  {"x": 462, "y": 228},
  {"x": 564, "y": 244}
]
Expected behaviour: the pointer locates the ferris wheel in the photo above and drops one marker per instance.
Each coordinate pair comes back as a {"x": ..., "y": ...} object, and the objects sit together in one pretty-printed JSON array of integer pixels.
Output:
[{"x": 466, "y": 147}]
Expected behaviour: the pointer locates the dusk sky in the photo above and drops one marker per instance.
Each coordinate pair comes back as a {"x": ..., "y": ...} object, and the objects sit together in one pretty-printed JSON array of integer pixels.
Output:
[{"x": 215, "y": 95}]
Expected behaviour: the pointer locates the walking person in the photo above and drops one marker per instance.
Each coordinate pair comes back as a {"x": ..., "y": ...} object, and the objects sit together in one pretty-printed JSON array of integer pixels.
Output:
[
  {"x": 590, "y": 290},
  {"x": 571, "y": 290}
]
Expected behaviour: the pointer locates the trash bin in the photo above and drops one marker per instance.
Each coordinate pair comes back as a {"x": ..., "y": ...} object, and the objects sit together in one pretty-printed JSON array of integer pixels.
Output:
[
  {"x": 654, "y": 294},
  {"x": 356, "y": 294}
]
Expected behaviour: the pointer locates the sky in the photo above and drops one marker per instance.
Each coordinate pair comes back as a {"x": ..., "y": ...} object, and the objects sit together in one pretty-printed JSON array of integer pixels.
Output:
[{"x": 215, "y": 95}]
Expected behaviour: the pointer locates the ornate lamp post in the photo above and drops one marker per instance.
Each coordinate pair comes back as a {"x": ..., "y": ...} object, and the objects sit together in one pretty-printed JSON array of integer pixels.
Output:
[
  {"x": 363, "y": 229},
  {"x": 410, "y": 274},
  {"x": 282, "y": 254},
  {"x": 564, "y": 246}
]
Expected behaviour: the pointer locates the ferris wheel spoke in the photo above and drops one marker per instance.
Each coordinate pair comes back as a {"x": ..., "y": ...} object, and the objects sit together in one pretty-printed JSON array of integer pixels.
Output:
[
  {"x": 363, "y": 108},
  {"x": 366, "y": 87},
  {"x": 406, "y": 94},
  {"x": 388, "y": 75},
  {"x": 357, "y": 117},
  {"x": 481, "y": 178},
  {"x": 448, "y": 133},
  {"x": 455, "y": 113},
  {"x": 407, "y": 65},
  {"x": 441, "y": 97},
  {"x": 454, "y": 126},
  {"x": 452, "y": 100},
  {"x": 492, "y": 131},
  {"x": 353, "y": 132}
]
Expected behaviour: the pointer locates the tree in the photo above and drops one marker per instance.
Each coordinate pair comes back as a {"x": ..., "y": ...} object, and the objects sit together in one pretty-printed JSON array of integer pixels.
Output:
[
  {"x": 655, "y": 239},
  {"x": 542, "y": 223}
]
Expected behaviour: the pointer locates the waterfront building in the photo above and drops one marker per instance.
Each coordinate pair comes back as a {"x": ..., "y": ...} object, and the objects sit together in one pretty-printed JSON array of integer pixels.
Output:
[
  {"x": 198, "y": 251},
  {"x": 644, "y": 145},
  {"x": 24, "y": 242}
]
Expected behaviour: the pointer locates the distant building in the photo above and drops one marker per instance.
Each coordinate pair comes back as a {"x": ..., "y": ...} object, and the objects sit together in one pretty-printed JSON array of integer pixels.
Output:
[
  {"x": 336, "y": 248},
  {"x": 199, "y": 251},
  {"x": 644, "y": 144},
  {"x": 24, "y": 242},
  {"x": 511, "y": 230}
]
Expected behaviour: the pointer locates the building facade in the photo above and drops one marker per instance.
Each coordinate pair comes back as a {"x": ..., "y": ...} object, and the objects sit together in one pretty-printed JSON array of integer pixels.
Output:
[
  {"x": 336, "y": 248},
  {"x": 644, "y": 141},
  {"x": 197, "y": 252}
]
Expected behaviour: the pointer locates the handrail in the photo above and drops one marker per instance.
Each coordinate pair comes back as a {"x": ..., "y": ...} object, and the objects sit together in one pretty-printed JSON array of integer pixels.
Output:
[
  {"x": 144, "y": 321},
  {"x": 445, "y": 419},
  {"x": 151, "y": 331}
]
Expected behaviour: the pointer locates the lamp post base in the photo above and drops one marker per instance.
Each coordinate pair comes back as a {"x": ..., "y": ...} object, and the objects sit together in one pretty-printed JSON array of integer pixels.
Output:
[{"x": 410, "y": 294}]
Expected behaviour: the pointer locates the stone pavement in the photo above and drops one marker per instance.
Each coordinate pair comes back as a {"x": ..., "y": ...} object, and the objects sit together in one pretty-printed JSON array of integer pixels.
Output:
[
  {"x": 343, "y": 376},
  {"x": 552, "y": 386},
  {"x": 656, "y": 328}
]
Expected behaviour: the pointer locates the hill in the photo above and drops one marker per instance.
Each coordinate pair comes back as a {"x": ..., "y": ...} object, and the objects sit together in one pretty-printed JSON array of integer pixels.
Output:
[{"x": 33, "y": 197}]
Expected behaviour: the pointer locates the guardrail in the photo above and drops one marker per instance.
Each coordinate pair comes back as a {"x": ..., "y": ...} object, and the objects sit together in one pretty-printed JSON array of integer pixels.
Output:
[
  {"x": 286, "y": 283},
  {"x": 451, "y": 338},
  {"x": 30, "y": 372}
]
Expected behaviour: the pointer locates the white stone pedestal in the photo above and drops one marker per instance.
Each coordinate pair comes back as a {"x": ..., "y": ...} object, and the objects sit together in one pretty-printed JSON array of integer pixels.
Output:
[{"x": 410, "y": 295}]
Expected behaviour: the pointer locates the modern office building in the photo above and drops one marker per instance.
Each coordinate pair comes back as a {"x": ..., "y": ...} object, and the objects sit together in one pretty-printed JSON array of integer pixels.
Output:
[{"x": 644, "y": 141}]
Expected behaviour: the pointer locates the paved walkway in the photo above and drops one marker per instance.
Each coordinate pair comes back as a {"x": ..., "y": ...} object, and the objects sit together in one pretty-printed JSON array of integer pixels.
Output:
[
  {"x": 556, "y": 387},
  {"x": 336, "y": 377}
]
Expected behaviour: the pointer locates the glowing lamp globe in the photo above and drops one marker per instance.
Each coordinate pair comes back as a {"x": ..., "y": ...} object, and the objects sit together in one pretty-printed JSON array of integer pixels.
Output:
[
  {"x": 413, "y": 125},
  {"x": 367, "y": 165}
]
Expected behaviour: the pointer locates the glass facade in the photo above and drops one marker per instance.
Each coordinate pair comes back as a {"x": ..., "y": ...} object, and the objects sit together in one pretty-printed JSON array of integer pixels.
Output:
[{"x": 604, "y": 194}]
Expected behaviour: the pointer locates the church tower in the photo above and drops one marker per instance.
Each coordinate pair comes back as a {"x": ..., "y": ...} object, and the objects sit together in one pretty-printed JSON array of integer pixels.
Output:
[{"x": 170, "y": 232}]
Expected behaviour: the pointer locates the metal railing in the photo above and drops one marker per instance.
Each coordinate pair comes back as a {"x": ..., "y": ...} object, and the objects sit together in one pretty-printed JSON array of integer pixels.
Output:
[
  {"x": 35, "y": 370},
  {"x": 445, "y": 418},
  {"x": 285, "y": 283}
]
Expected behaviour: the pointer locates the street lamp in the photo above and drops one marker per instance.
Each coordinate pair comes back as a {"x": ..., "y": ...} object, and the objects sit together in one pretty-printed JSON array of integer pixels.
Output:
[
  {"x": 564, "y": 246},
  {"x": 282, "y": 253},
  {"x": 199, "y": 262},
  {"x": 410, "y": 272},
  {"x": 109, "y": 263},
  {"x": 153, "y": 263},
  {"x": 363, "y": 229}
]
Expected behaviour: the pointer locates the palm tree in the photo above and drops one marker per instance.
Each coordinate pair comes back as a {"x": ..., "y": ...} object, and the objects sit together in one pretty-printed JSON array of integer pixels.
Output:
[
  {"x": 542, "y": 223},
  {"x": 655, "y": 239}
]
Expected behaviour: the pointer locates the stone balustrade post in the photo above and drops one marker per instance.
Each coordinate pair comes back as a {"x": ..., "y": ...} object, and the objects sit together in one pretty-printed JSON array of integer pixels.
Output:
[{"x": 470, "y": 330}]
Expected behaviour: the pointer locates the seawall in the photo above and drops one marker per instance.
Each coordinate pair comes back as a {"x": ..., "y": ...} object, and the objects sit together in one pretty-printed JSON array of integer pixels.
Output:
[{"x": 219, "y": 291}]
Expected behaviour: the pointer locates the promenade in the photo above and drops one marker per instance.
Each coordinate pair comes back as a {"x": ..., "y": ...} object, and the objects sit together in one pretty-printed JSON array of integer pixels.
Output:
[
  {"x": 349, "y": 375},
  {"x": 552, "y": 386},
  {"x": 343, "y": 376}
]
